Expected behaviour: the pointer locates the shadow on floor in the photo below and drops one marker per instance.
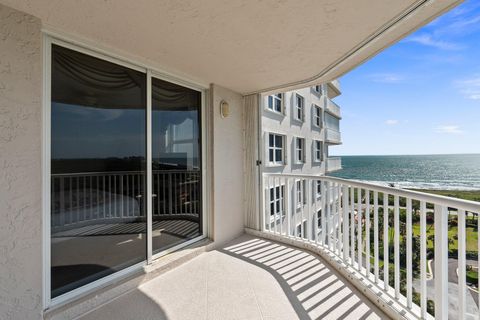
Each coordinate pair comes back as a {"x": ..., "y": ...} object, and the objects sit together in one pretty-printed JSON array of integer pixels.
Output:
[{"x": 314, "y": 289}]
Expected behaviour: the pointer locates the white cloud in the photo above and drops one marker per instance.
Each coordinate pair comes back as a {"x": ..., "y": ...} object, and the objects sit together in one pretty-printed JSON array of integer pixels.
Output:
[
  {"x": 428, "y": 40},
  {"x": 386, "y": 77},
  {"x": 470, "y": 88},
  {"x": 391, "y": 122},
  {"x": 449, "y": 129}
]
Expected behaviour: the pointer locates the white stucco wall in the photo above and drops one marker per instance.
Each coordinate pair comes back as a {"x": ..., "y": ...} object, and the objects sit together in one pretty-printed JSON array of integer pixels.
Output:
[
  {"x": 20, "y": 166},
  {"x": 285, "y": 124},
  {"x": 228, "y": 159}
]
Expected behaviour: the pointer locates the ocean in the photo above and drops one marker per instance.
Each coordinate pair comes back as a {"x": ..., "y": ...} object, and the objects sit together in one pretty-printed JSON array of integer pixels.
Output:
[{"x": 442, "y": 172}]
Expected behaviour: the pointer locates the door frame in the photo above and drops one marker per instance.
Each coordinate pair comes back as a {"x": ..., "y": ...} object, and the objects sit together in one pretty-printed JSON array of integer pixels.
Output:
[{"x": 51, "y": 37}]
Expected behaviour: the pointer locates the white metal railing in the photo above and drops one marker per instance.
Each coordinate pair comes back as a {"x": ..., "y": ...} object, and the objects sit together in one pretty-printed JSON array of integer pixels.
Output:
[
  {"x": 333, "y": 164},
  {"x": 82, "y": 197},
  {"x": 347, "y": 218},
  {"x": 333, "y": 108},
  {"x": 332, "y": 135}
]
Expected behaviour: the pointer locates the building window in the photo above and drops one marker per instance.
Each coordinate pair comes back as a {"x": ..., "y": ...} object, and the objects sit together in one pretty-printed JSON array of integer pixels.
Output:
[
  {"x": 300, "y": 150},
  {"x": 318, "y": 189},
  {"x": 317, "y": 151},
  {"x": 317, "y": 116},
  {"x": 275, "y": 102},
  {"x": 302, "y": 230},
  {"x": 275, "y": 148},
  {"x": 300, "y": 193},
  {"x": 318, "y": 89},
  {"x": 277, "y": 204},
  {"x": 299, "y": 107}
]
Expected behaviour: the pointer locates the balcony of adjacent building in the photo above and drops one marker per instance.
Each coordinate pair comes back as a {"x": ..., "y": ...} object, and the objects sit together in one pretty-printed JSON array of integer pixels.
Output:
[
  {"x": 333, "y": 88},
  {"x": 333, "y": 108},
  {"x": 333, "y": 164},
  {"x": 333, "y": 136}
]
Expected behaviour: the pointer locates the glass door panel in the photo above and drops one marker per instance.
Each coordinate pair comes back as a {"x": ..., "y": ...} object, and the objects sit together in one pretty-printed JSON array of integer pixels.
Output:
[
  {"x": 98, "y": 146},
  {"x": 176, "y": 165}
]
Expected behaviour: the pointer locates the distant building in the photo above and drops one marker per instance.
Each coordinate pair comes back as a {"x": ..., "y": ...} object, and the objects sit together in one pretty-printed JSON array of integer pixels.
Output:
[{"x": 298, "y": 128}]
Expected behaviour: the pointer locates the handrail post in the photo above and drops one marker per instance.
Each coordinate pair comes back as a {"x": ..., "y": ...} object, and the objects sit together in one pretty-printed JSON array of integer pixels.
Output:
[{"x": 441, "y": 262}]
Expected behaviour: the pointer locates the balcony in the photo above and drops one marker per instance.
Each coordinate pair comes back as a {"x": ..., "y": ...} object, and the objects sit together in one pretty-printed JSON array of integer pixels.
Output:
[
  {"x": 249, "y": 278},
  {"x": 333, "y": 136},
  {"x": 334, "y": 89},
  {"x": 333, "y": 108},
  {"x": 334, "y": 164},
  {"x": 343, "y": 221}
]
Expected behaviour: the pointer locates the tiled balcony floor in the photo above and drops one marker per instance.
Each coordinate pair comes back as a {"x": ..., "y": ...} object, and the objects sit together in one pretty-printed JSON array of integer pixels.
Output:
[{"x": 250, "y": 278}]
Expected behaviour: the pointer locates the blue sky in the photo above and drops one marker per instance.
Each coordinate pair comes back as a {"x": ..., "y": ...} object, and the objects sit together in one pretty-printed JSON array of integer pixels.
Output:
[{"x": 420, "y": 96}]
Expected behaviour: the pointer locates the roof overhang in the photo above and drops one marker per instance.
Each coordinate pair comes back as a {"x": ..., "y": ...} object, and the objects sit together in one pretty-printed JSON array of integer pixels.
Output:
[{"x": 248, "y": 46}]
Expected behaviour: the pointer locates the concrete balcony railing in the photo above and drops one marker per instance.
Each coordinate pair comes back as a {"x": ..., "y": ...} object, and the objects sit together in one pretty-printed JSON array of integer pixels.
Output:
[
  {"x": 334, "y": 164},
  {"x": 385, "y": 240},
  {"x": 334, "y": 89},
  {"x": 333, "y": 108},
  {"x": 333, "y": 136}
]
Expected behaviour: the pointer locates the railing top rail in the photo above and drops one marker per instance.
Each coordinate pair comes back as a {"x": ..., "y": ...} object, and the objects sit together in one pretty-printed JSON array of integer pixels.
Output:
[
  {"x": 466, "y": 205},
  {"x": 119, "y": 172}
]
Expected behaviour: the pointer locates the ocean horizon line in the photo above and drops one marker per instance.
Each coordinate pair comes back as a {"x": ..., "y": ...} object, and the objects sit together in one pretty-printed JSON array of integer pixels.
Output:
[{"x": 406, "y": 154}]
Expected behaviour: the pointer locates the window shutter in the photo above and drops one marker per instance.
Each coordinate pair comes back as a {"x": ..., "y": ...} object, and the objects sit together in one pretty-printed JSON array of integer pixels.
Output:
[
  {"x": 285, "y": 150},
  {"x": 284, "y": 104}
]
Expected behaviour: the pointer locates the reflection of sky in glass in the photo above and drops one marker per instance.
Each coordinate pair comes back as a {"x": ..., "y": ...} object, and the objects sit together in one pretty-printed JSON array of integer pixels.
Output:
[
  {"x": 86, "y": 132},
  {"x": 81, "y": 132}
]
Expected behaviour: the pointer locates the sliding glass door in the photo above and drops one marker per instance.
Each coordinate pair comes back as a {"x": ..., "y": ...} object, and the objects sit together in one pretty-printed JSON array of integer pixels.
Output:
[
  {"x": 176, "y": 174},
  {"x": 98, "y": 167}
]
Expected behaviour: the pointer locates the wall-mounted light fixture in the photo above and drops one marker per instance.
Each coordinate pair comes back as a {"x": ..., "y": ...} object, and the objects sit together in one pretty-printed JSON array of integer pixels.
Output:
[{"x": 224, "y": 109}]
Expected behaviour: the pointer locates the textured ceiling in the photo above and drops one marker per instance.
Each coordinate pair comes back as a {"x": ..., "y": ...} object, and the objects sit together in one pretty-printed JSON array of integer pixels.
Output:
[{"x": 244, "y": 45}]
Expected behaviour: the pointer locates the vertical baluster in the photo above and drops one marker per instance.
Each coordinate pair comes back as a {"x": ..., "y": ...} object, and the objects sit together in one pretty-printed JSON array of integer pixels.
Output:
[
  {"x": 62, "y": 201},
  {"x": 84, "y": 196},
  {"x": 333, "y": 215},
  {"x": 441, "y": 262},
  {"x": 282, "y": 205},
  {"x": 423, "y": 259},
  {"x": 328, "y": 215},
  {"x": 315, "y": 205},
  {"x": 308, "y": 183},
  {"x": 103, "y": 197},
  {"x": 115, "y": 209},
  {"x": 268, "y": 218},
  {"x": 164, "y": 192},
  {"x": 462, "y": 285},
  {"x": 386, "y": 261},
  {"x": 70, "y": 198},
  {"x": 322, "y": 219},
  {"x": 375, "y": 235},
  {"x": 367, "y": 232},
  {"x": 359, "y": 229},
  {"x": 339, "y": 219},
  {"x": 352, "y": 225},
  {"x": 302, "y": 208},
  {"x": 275, "y": 198},
  {"x": 345, "y": 212},
  {"x": 97, "y": 188},
  {"x": 396, "y": 239},
  {"x": 409, "y": 253},
  {"x": 295, "y": 205},
  {"x": 288, "y": 205}
]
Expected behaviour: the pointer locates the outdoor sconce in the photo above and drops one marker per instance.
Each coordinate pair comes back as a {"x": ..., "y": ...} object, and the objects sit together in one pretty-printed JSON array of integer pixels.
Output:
[{"x": 224, "y": 109}]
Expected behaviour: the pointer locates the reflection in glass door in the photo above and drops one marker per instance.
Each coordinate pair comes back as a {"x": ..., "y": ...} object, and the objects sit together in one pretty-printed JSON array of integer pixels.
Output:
[
  {"x": 98, "y": 220},
  {"x": 98, "y": 161},
  {"x": 176, "y": 163}
]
